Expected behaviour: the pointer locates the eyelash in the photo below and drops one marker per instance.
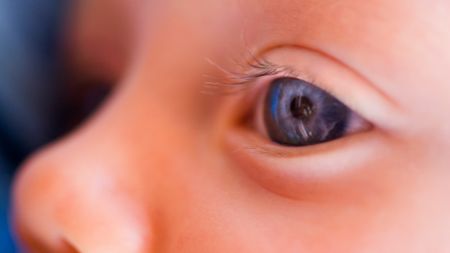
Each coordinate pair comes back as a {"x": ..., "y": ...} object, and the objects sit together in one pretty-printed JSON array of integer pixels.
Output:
[
  {"x": 249, "y": 71},
  {"x": 230, "y": 82}
]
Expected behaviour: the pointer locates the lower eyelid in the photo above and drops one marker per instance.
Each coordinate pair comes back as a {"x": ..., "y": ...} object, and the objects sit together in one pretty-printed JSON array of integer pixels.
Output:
[
  {"x": 292, "y": 170},
  {"x": 246, "y": 139}
]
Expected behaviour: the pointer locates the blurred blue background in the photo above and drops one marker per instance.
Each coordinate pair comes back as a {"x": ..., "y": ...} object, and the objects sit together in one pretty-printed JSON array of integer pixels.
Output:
[{"x": 29, "y": 90}]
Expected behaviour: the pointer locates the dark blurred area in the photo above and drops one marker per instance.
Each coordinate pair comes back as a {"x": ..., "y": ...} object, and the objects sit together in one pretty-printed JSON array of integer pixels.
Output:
[{"x": 31, "y": 95}]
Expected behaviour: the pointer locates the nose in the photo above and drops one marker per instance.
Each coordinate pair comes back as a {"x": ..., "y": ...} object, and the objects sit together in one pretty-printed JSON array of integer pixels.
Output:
[
  {"x": 105, "y": 188},
  {"x": 93, "y": 192},
  {"x": 76, "y": 197}
]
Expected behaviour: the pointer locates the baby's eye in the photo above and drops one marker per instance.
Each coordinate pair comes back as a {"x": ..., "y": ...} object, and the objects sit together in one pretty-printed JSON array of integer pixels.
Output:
[{"x": 298, "y": 113}]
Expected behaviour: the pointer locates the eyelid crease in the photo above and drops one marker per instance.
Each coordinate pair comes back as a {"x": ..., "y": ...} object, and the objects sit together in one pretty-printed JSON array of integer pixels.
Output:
[{"x": 254, "y": 66}]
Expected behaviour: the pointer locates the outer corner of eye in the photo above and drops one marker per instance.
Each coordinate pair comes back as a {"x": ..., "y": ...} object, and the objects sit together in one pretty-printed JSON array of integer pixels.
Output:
[{"x": 296, "y": 113}]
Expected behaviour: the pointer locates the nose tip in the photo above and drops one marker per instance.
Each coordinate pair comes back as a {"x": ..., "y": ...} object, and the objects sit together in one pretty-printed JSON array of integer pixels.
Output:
[
  {"x": 80, "y": 205},
  {"x": 106, "y": 240},
  {"x": 107, "y": 229}
]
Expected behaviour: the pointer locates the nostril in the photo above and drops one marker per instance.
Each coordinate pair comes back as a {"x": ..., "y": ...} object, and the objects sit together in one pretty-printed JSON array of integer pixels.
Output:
[{"x": 69, "y": 248}]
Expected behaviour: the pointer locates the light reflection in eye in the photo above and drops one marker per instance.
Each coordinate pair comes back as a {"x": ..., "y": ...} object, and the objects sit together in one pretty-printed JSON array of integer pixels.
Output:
[{"x": 297, "y": 113}]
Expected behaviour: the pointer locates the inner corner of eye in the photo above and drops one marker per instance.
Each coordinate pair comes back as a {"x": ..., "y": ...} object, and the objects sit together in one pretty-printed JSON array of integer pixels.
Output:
[{"x": 357, "y": 123}]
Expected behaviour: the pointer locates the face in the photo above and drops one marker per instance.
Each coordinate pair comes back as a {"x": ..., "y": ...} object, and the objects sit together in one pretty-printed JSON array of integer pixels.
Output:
[{"x": 258, "y": 126}]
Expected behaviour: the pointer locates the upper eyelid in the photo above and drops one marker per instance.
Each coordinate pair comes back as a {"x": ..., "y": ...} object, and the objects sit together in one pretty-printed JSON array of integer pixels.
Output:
[
  {"x": 364, "y": 98},
  {"x": 254, "y": 66}
]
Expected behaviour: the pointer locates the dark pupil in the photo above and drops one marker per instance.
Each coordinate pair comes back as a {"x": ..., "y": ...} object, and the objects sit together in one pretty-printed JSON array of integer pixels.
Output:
[
  {"x": 298, "y": 113},
  {"x": 301, "y": 108}
]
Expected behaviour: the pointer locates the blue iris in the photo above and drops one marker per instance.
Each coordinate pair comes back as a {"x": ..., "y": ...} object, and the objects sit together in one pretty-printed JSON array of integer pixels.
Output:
[{"x": 298, "y": 113}]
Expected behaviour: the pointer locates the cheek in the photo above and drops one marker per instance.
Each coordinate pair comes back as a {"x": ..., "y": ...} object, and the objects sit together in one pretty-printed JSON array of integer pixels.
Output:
[{"x": 176, "y": 190}]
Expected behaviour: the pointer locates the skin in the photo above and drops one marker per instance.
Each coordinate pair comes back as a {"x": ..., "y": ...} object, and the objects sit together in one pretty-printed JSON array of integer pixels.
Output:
[{"x": 162, "y": 168}]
